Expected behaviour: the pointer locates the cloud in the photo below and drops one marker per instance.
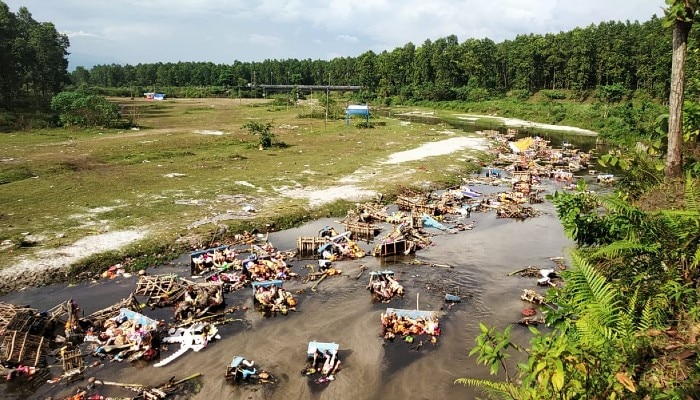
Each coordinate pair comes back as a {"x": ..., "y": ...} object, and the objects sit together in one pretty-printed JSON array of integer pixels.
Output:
[
  {"x": 79, "y": 34},
  {"x": 347, "y": 38}
]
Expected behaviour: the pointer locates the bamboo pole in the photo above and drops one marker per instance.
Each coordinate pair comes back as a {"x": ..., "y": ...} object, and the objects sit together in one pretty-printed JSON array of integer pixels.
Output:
[
  {"x": 196, "y": 375},
  {"x": 313, "y": 288}
]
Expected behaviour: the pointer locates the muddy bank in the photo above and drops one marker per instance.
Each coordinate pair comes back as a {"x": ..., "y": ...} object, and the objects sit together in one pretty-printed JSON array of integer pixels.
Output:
[
  {"x": 342, "y": 311},
  {"x": 48, "y": 266}
]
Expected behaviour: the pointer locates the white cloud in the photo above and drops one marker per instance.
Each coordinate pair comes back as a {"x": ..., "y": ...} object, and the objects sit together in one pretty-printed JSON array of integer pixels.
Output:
[
  {"x": 347, "y": 38},
  {"x": 77, "y": 34}
]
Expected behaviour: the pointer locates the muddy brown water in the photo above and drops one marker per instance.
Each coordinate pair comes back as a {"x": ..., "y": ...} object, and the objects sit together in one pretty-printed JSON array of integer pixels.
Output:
[{"x": 341, "y": 311}]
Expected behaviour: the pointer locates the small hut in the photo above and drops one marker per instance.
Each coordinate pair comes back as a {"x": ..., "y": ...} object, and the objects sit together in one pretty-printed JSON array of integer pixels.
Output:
[{"x": 354, "y": 109}]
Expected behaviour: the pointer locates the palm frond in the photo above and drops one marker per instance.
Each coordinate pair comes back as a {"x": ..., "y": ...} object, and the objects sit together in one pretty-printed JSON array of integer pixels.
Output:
[{"x": 494, "y": 390}]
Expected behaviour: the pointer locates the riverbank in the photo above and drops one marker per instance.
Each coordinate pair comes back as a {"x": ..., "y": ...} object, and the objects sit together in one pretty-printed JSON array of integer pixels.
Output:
[
  {"x": 45, "y": 266},
  {"x": 522, "y": 124}
]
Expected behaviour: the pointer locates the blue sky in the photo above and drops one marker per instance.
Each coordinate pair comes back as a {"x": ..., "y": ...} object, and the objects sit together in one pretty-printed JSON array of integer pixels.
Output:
[{"x": 222, "y": 31}]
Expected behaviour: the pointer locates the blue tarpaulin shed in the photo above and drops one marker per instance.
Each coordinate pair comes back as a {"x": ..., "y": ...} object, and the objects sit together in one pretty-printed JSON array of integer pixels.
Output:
[{"x": 356, "y": 109}]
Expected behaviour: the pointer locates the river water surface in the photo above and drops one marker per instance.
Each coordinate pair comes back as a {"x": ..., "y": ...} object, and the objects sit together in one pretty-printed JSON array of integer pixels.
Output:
[{"x": 342, "y": 311}]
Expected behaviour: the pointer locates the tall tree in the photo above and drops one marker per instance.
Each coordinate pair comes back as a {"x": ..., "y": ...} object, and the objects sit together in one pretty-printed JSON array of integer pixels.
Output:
[{"x": 680, "y": 15}]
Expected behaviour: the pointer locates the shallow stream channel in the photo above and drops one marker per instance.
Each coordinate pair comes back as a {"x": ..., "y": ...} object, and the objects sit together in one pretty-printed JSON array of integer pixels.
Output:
[{"x": 473, "y": 264}]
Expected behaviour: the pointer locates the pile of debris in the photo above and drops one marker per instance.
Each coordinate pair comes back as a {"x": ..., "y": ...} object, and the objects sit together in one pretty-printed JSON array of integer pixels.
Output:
[
  {"x": 271, "y": 297},
  {"x": 384, "y": 286},
  {"x": 408, "y": 324},
  {"x": 404, "y": 239}
]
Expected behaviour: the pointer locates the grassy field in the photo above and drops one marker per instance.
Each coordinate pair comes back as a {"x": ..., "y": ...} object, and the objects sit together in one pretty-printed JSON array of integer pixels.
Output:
[{"x": 191, "y": 166}]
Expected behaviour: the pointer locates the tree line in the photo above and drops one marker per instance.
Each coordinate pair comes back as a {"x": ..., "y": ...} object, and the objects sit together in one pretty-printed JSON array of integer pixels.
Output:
[
  {"x": 632, "y": 54},
  {"x": 33, "y": 63}
]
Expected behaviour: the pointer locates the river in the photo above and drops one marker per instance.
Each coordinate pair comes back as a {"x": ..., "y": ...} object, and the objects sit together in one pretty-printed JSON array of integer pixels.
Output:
[{"x": 341, "y": 311}]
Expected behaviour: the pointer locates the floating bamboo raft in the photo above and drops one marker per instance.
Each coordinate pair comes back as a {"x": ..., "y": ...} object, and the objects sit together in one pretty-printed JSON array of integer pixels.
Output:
[
  {"x": 23, "y": 348},
  {"x": 309, "y": 245},
  {"x": 8, "y": 313},
  {"x": 29, "y": 320},
  {"x": 416, "y": 204},
  {"x": 156, "y": 285},
  {"x": 521, "y": 176},
  {"x": 73, "y": 364},
  {"x": 390, "y": 248},
  {"x": 361, "y": 230}
]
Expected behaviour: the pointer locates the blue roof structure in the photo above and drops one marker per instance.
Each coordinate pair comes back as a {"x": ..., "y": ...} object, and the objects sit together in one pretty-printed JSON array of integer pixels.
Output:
[{"x": 356, "y": 109}]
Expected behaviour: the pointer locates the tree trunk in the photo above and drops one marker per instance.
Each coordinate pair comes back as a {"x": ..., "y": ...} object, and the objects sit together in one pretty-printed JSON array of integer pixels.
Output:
[{"x": 674, "y": 158}]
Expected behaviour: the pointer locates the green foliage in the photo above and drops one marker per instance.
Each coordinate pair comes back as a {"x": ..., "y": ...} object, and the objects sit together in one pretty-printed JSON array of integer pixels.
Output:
[
  {"x": 263, "y": 131},
  {"x": 78, "y": 109},
  {"x": 491, "y": 345},
  {"x": 680, "y": 10},
  {"x": 637, "y": 274},
  {"x": 612, "y": 93},
  {"x": 553, "y": 94},
  {"x": 578, "y": 213},
  {"x": 494, "y": 390},
  {"x": 567, "y": 64},
  {"x": 641, "y": 166},
  {"x": 33, "y": 62}
]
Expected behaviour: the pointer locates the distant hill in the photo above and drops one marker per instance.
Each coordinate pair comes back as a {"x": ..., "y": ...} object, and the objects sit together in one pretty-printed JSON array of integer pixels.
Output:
[{"x": 89, "y": 60}]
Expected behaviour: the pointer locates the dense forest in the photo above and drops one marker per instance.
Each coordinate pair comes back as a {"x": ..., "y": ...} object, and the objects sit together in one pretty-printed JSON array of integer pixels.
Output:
[
  {"x": 631, "y": 54},
  {"x": 33, "y": 63}
]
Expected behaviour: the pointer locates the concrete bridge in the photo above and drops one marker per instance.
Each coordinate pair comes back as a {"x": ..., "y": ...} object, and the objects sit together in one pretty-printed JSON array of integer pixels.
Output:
[{"x": 306, "y": 88}]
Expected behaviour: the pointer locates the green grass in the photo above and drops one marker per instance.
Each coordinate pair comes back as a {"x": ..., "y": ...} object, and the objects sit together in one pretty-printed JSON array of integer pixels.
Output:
[{"x": 65, "y": 184}]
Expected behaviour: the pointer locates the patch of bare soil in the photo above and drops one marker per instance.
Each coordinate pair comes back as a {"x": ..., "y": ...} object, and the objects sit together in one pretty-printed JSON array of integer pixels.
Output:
[
  {"x": 669, "y": 195},
  {"x": 47, "y": 266}
]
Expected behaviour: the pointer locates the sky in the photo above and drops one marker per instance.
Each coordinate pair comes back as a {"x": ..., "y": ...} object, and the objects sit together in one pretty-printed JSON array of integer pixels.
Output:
[{"x": 224, "y": 31}]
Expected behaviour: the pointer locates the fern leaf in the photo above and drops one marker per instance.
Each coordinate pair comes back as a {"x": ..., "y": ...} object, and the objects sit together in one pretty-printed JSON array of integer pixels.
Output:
[
  {"x": 692, "y": 193},
  {"x": 499, "y": 390},
  {"x": 624, "y": 247}
]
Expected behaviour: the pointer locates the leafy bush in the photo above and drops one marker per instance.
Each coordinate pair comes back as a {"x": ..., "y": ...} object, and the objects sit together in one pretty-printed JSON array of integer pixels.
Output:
[
  {"x": 553, "y": 94},
  {"x": 263, "y": 131},
  {"x": 84, "y": 109}
]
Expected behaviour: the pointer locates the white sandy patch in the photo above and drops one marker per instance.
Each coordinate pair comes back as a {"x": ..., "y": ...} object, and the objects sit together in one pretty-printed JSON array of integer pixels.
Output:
[
  {"x": 318, "y": 197},
  {"x": 438, "y": 148},
  {"x": 209, "y": 132},
  {"x": 244, "y": 183},
  {"x": 174, "y": 175},
  {"x": 64, "y": 256},
  {"x": 519, "y": 123},
  {"x": 99, "y": 210}
]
